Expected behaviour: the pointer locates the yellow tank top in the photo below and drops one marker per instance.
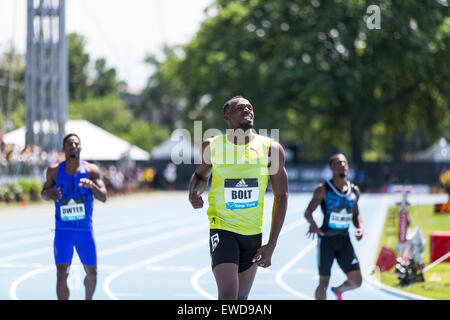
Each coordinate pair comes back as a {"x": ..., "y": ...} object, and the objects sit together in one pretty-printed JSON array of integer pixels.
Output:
[{"x": 239, "y": 181}]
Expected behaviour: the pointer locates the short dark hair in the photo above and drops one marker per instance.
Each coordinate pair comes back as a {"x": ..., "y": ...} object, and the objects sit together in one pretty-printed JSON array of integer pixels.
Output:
[
  {"x": 67, "y": 136},
  {"x": 228, "y": 103},
  {"x": 330, "y": 160}
]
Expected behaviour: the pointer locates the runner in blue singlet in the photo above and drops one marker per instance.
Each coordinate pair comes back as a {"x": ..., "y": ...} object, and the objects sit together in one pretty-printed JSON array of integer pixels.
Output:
[
  {"x": 338, "y": 199},
  {"x": 73, "y": 184}
]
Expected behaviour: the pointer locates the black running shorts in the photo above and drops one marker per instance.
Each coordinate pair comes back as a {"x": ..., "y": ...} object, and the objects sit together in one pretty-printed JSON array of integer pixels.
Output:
[
  {"x": 339, "y": 247},
  {"x": 230, "y": 247}
]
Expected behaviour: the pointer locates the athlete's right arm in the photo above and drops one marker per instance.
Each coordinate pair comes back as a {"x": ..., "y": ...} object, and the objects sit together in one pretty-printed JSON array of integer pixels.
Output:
[
  {"x": 200, "y": 178},
  {"x": 49, "y": 192},
  {"x": 318, "y": 196}
]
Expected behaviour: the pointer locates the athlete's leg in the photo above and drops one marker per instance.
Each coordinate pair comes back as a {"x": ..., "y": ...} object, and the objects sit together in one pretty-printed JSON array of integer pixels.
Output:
[
  {"x": 62, "y": 273},
  {"x": 247, "y": 268},
  {"x": 321, "y": 290},
  {"x": 87, "y": 251},
  {"x": 325, "y": 257},
  {"x": 63, "y": 253},
  {"x": 246, "y": 281},
  {"x": 90, "y": 280},
  {"x": 227, "y": 280},
  {"x": 224, "y": 251},
  {"x": 349, "y": 263},
  {"x": 354, "y": 280}
]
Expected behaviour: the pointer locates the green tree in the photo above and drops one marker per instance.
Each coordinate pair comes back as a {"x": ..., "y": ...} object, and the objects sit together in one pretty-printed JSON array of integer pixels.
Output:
[
  {"x": 78, "y": 67},
  {"x": 12, "y": 78},
  {"x": 111, "y": 114},
  {"x": 147, "y": 135},
  {"x": 316, "y": 71},
  {"x": 159, "y": 103},
  {"x": 105, "y": 81}
]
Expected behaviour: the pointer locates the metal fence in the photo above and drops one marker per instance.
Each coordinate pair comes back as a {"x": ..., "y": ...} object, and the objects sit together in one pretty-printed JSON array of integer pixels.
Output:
[
  {"x": 305, "y": 176},
  {"x": 369, "y": 176}
]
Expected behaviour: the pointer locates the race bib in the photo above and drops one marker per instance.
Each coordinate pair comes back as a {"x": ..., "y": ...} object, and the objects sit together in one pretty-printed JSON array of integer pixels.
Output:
[
  {"x": 340, "y": 220},
  {"x": 241, "y": 193},
  {"x": 72, "y": 210}
]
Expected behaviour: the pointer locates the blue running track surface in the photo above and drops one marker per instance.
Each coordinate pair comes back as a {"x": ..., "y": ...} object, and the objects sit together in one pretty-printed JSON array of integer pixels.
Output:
[{"x": 155, "y": 246}]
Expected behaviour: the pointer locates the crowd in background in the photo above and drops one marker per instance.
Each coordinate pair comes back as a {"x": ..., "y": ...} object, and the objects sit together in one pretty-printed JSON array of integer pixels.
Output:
[
  {"x": 120, "y": 179},
  {"x": 14, "y": 155},
  {"x": 33, "y": 160}
]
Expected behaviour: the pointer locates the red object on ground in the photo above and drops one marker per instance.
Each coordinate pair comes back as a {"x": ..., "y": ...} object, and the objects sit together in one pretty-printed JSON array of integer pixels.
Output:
[
  {"x": 386, "y": 259},
  {"x": 439, "y": 245},
  {"x": 441, "y": 208}
]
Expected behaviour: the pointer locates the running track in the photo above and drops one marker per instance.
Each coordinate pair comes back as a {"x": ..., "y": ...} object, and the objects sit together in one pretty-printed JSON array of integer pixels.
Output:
[{"x": 155, "y": 246}]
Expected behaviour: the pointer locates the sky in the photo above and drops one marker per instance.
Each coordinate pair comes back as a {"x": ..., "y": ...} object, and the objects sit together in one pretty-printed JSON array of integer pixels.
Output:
[{"x": 121, "y": 31}]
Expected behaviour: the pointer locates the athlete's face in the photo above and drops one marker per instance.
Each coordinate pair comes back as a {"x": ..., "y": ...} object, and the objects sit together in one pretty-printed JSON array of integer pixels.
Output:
[
  {"x": 72, "y": 148},
  {"x": 240, "y": 114},
  {"x": 339, "y": 166}
]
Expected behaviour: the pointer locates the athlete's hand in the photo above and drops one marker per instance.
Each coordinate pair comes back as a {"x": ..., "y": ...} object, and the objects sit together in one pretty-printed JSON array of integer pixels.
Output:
[
  {"x": 53, "y": 193},
  {"x": 359, "y": 234},
  {"x": 196, "y": 200},
  {"x": 263, "y": 256},
  {"x": 313, "y": 229},
  {"x": 86, "y": 183}
]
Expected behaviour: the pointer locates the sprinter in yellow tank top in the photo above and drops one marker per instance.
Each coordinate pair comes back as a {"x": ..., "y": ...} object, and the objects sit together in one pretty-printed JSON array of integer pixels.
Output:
[{"x": 240, "y": 162}]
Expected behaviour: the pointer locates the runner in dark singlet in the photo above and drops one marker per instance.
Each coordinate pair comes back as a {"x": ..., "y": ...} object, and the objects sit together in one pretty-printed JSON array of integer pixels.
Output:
[{"x": 338, "y": 199}]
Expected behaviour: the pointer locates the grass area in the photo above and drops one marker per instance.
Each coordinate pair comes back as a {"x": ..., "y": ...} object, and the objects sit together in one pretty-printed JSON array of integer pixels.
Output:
[{"x": 437, "y": 279}]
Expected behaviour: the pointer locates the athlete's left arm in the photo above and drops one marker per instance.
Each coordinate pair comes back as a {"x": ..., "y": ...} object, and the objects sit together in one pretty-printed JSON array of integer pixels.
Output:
[
  {"x": 357, "y": 221},
  {"x": 279, "y": 182},
  {"x": 94, "y": 182}
]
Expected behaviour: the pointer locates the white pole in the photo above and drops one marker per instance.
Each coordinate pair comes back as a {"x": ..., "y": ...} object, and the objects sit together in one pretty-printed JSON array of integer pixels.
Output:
[{"x": 436, "y": 262}]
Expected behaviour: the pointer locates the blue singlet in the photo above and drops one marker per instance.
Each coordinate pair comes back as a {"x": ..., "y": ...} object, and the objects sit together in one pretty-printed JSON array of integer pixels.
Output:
[{"x": 73, "y": 218}]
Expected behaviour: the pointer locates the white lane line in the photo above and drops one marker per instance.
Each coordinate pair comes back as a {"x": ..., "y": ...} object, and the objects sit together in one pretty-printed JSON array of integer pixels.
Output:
[
  {"x": 146, "y": 241},
  {"x": 125, "y": 247},
  {"x": 22, "y": 232},
  {"x": 279, "y": 276},
  {"x": 154, "y": 259},
  {"x": 24, "y": 265},
  {"x": 160, "y": 268},
  {"x": 29, "y": 240},
  {"x": 19, "y": 280},
  {"x": 195, "y": 280},
  {"x": 101, "y": 237},
  {"x": 26, "y": 254},
  {"x": 289, "y": 265},
  {"x": 99, "y": 231},
  {"x": 374, "y": 283}
]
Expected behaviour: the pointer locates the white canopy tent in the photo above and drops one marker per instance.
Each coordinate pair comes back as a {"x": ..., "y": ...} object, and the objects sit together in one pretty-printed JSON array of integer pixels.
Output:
[
  {"x": 178, "y": 148},
  {"x": 97, "y": 144},
  {"x": 437, "y": 152}
]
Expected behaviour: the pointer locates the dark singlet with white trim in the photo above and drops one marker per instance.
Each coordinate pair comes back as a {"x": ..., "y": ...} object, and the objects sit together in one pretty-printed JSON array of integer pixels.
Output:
[{"x": 337, "y": 209}]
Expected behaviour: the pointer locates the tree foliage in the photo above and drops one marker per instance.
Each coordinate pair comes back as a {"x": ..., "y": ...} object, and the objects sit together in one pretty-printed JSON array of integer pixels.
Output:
[
  {"x": 12, "y": 78},
  {"x": 159, "y": 103},
  {"x": 96, "y": 98},
  {"x": 82, "y": 84},
  {"x": 316, "y": 71},
  {"x": 78, "y": 67},
  {"x": 111, "y": 114}
]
